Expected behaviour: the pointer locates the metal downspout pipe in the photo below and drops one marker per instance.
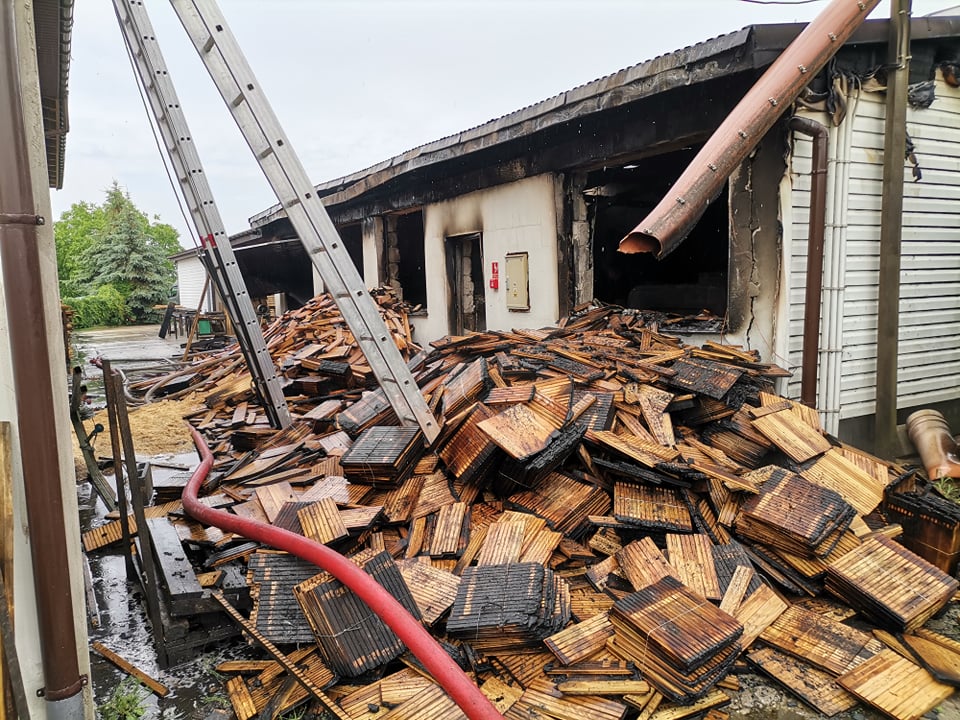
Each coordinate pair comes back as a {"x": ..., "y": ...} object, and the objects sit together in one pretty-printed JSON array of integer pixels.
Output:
[
  {"x": 815, "y": 233},
  {"x": 36, "y": 410},
  {"x": 678, "y": 212},
  {"x": 835, "y": 268}
]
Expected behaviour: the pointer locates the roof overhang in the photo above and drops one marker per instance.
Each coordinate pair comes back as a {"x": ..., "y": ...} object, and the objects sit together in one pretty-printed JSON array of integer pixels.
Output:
[
  {"x": 752, "y": 48},
  {"x": 53, "y": 22}
]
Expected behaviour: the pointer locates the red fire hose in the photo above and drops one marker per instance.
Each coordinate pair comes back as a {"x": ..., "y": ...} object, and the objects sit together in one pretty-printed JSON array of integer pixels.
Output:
[{"x": 445, "y": 671}]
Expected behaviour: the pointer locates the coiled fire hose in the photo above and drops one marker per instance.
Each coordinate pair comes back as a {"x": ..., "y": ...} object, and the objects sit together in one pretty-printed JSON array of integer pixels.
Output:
[{"x": 441, "y": 666}]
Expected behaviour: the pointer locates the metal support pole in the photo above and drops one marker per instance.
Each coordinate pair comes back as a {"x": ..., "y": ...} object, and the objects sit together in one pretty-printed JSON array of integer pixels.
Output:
[{"x": 891, "y": 226}]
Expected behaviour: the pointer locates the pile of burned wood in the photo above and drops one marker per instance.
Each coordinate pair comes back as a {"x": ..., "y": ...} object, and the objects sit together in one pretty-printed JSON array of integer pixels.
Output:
[{"x": 610, "y": 521}]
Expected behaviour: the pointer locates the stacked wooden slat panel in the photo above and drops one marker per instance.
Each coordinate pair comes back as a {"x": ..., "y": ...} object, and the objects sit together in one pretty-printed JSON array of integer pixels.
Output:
[
  {"x": 890, "y": 584},
  {"x": 275, "y": 612},
  {"x": 382, "y": 455},
  {"x": 562, "y": 501},
  {"x": 508, "y": 608},
  {"x": 680, "y": 641},
  {"x": 792, "y": 514},
  {"x": 351, "y": 639},
  {"x": 651, "y": 508}
]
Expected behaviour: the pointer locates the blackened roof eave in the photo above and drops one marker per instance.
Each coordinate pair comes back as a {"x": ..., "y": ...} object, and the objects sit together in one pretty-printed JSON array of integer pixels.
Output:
[
  {"x": 421, "y": 155},
  {"x": 758, "y": 46}
]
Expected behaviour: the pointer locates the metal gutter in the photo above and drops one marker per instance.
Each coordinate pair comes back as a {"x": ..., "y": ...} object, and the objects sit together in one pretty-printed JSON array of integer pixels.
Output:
[
  {"x": 678, "y": 212},
  {"x": 36, "y": 409}
]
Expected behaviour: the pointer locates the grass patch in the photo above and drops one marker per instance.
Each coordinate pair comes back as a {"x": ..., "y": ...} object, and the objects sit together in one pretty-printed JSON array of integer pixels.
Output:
[
  {"x": 949, "y": 488},
  {"x": 126, "y": 702}
]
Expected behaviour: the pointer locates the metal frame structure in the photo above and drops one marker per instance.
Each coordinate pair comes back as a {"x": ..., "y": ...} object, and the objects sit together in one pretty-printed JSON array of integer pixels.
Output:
[
  {"x": 221, "y": 54},
  {"x": 217, "y": 253}
]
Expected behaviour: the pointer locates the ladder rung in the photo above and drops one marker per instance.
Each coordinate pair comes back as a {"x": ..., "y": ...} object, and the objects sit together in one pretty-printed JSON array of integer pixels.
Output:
[
  {"x": 238, "y": 100},
  {"x": 208, "y": 44}
]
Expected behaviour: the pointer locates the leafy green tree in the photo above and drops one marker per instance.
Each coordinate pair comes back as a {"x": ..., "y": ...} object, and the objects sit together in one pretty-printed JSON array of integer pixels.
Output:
[
  {"x": 115, "y": 244},
  {"x": 74, "y": 232}
]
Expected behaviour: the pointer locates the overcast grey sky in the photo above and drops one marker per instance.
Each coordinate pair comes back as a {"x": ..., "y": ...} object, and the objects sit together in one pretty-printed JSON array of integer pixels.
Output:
[{"x": 357, "y": 81}]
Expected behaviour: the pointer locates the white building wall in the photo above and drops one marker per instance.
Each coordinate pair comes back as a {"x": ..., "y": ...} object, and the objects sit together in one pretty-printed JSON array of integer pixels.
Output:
[
  {"x": 515, "y": 217},
  {"x": 191, "y": 278},
  {"x": 24, "y": 600},
  {"x": 929, "y": 364}
]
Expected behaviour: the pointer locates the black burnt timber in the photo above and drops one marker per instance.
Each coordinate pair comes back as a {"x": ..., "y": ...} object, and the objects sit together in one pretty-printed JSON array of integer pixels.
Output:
[
  {"x": 232, "y": 553},
  {"x": 727, "y": 558},
  {"x": 780, "y": 573},
  {"x": 635, "y": 472},
  {"x": 704, "y": 377},
  {"x": 276, "y": 612},
  {"x": 182, "y": 382},
  {"x": 176, "y": 574},
  {"x": 535, "y": 468},
  {"x": 328, "y": 368}
]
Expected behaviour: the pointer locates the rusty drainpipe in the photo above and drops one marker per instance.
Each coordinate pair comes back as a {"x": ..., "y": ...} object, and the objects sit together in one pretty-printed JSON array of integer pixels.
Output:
[
  {"x": 36, "y": 410},
  {"x": 815, "y": 233},
  {"x": 677, "y": 213},
  {"x": 930, "y": 434}
]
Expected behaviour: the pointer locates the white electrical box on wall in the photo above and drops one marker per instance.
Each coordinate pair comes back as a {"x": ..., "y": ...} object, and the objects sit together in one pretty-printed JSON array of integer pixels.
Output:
[{"x": 518, "y": 281}]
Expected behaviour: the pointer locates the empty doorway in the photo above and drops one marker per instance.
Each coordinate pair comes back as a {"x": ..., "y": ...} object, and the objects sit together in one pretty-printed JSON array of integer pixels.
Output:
[{"x": 467, "y": 302}]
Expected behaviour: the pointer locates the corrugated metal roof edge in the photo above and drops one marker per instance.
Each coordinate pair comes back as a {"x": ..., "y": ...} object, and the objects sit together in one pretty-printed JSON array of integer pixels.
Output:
[
  {"x": 767, "y": 36},
  {"x": 592, "y": 88}
]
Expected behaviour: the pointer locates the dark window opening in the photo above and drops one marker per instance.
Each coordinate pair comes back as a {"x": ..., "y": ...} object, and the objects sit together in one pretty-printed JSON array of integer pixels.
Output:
[
  {"x": 352, "y": 237},
  {"x": 691, "y": 278},
  {"x": 411, "y": 270},
  {"x": 277, "y": 266}
]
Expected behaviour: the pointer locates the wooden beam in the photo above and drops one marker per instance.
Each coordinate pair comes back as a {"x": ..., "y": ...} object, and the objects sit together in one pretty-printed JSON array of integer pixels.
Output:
[{"x": 156, "y": 686}]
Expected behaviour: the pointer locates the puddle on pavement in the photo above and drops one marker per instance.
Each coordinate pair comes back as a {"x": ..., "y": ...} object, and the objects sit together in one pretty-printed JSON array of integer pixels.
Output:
[{"x": 196, "y": 689}]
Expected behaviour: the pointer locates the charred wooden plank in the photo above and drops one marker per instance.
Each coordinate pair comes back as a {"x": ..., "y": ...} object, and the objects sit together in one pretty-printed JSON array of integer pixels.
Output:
[
  {"x": 176, "y": 572},
  {"x": 825, "y": 643},
  {"x": 893, "y": 684},
  {"x": 581, "y": 640},
  {"x": 692, "y": 558},
  {"x": 817, "y": 688},
  {"x": 890, "y": 584}
]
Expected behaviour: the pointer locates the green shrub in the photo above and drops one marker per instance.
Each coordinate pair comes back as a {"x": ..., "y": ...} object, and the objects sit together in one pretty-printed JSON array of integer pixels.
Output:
[
  {"x": 125, "y": 702},
  {"x": 105, "y": 307}
]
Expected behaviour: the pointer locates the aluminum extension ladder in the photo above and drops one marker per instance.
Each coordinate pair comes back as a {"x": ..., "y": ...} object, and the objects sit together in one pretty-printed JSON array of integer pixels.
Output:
[
  {"x": 216, "y": 253},
  {"x": 241, "y": 92}
]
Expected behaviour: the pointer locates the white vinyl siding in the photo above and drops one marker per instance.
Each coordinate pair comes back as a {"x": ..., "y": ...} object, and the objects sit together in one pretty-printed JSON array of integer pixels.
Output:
[
  {"x": 191, "y": 276},
  {"x": 929, "y": 352}
]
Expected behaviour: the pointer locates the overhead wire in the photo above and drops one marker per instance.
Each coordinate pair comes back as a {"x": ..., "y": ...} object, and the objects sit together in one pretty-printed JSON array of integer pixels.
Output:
[{"x": 177, "y": 193}]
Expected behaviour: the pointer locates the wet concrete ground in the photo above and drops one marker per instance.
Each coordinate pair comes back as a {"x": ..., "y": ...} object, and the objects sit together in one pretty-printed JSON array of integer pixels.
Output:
[
  {"x": 119, "y": 620},
  {"x": 196, "y": 689}
]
